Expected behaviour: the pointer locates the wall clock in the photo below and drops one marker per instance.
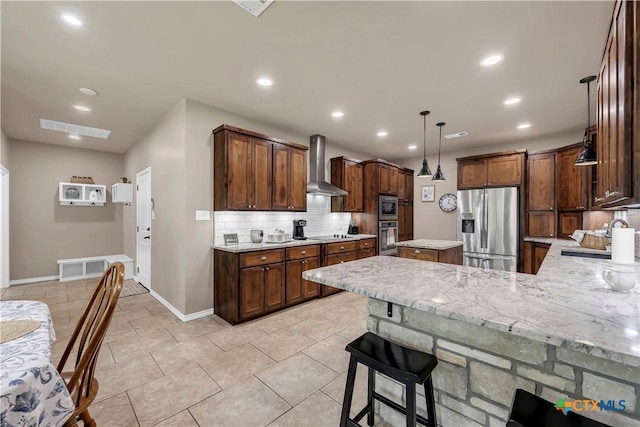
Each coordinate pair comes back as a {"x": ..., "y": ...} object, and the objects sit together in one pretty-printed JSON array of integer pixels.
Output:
[{"x": 448, "y": 202}]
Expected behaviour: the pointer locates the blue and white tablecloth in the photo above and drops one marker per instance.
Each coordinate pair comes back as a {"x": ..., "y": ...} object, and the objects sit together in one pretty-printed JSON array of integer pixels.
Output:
[{"x": 32, "y": 393}]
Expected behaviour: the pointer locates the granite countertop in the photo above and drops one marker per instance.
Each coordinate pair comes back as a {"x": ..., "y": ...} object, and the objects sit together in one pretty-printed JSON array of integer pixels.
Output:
[
  {"x": 249, "y": 247},
  {"x": 567, "y": 303},
  {"x": 439, "y": 245},
  {"x": 568, "y": 244}
]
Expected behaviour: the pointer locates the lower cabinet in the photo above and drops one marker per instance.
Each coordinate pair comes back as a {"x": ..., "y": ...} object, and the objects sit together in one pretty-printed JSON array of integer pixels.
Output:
[
  {"x": 261, "y": 290},
  {"x": 297, "y": 288},
  {"x": 534, "y": 254},
  {"x": 447, "y": 256}
]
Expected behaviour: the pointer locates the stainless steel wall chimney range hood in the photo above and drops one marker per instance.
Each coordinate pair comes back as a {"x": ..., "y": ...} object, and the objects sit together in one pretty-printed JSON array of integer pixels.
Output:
[{"x": 317, "y": 183}]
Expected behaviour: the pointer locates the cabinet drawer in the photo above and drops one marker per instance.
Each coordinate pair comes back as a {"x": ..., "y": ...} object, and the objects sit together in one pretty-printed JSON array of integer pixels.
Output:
[
  {"x": 340, "y": 247},
  {"x": 303, "y": 252},
  {"x": 252, "y": 259},
  {"x": 366, "y": 253},
  {"x": 367, "y": 243},
  {"x": 340, "y": 258},
  {"x": 419, "y": 254}
]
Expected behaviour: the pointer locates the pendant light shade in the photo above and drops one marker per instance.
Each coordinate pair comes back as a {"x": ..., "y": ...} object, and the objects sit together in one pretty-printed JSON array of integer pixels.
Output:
[
  {"x": 587, "y": 155},
  {"x": 439, "y": 176},
  {"x": 425, "y": 172}
]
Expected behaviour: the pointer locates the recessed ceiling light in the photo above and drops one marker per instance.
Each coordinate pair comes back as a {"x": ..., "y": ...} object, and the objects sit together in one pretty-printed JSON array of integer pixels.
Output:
[
  {"x": 82, "y": 108},
  {"x": 491, "y": 60},
  {"x": 412, "y": 147},
  {"x": 524, "y": 126},
  {"x": 76, "y": 137},
  {"x": 71, "y": 20},
  {"x": 87, "y": 91},
  {"x": 337, "y": 114},
  {"x": 264, "y": 81},
  {"x": 382, "y": 133},
  {"x": 511, "y": 101}
]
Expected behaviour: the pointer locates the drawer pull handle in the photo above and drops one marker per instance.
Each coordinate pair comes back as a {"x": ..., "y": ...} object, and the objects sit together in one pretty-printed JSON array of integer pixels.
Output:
[
  {"x": 341, "y": 262},
  {"x": 263, "y": 258},
  {"x": 342, "y": 248},
  {"x": 303, "y": 252},
  {"x": 417, "y": 251},
  {"x": 267, "y": 268}
]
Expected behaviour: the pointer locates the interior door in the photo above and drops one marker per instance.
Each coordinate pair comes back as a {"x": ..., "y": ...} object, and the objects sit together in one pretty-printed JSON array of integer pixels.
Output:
[{"x": 143, "y": 227}]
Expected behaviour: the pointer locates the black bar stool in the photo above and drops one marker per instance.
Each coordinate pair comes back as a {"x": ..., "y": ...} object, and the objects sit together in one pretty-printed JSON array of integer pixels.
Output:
[
  {"x": 405, "y": 365},
  {"x": 529, "y": 410}
]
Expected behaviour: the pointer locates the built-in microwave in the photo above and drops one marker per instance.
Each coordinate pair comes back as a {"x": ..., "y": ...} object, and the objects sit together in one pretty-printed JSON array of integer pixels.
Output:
[{"x": 387, "y": 208}]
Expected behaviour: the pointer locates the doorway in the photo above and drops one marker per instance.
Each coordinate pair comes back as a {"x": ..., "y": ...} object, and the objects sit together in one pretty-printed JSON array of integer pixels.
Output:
[
  {"x": 4, "y": 227},
  {"x": 144, "y": 207}
]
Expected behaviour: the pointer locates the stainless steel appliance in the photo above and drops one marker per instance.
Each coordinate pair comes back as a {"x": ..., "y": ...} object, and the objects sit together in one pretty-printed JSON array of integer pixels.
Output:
[
  {"x": 387, "y": 208},
  {"x": 317, "y": 184},
  {"x": 298, "y": 229},
  {"x": 387, "y": 237},
  {"x": 353, "y": 227},
  {"x": 488, "y": 227}
]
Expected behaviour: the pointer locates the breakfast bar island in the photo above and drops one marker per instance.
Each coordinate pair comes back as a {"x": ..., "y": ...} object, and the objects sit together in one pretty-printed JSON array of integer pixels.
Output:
[{"x": 561, "y": 334}]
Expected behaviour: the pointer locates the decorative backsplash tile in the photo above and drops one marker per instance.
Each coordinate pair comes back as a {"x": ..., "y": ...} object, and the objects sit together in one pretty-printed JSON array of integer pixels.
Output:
[{"x": 320, "y": 221}]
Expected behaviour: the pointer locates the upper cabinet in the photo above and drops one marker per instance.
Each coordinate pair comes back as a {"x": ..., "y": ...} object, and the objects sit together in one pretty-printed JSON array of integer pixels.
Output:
[
  {"x": 405, "y": 185},
  {"x": 572, "y": 180},
  {"x": 347, "y": 174},
  {"x": 618, "y": 148},
  {"x": 388, "y": 179},
  {"x": 74, "y": 194},
  {"x": 491, "y": 170},
  {"x": 542, "y": 169},
  {"x": 256, "y": 172}
]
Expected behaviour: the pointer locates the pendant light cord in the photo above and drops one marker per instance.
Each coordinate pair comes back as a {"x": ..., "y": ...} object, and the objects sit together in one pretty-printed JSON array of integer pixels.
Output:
[
  {"x": 424, "y": 133},
  {"x": 588, "y": 106},
  {"x": 439, "y": 145}
]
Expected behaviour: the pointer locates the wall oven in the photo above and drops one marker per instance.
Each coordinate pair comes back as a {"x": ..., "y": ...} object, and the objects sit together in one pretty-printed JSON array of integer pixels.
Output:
[
  {"x": 387, "y": 237},
  {"x": 387, "y": 208}
]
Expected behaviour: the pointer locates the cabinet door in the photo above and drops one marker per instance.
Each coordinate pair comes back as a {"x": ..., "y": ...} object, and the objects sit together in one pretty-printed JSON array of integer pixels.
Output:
[
  {"x": 293, "y": 292},
  {"x": 251, "y": 292},
  {"x": 384, "y": 173},
  {"x": 366, "y": 253},
  {"x": 281, "y": 184},
  {"x": 471, "y": 173},
  {"x": 353, "y": 179},
  {"x": 274, "y": 286},
  {"x": 393, "y": 180},
  {"x": 261, "y": 166},
  {"x": 341, "y": 258},
  {"x": 568, "y": 222},
  {"x": 542, "y": 224},
  {"x": 528, "y": 257},
  {"x": 298, "y": 179},
  {"x": 402, "y": 222},
  {"x": 504, "y": 170},
  {"x": 408, "y": 221},
  {"x": 310, "y": 289},
  {"x": 542, "y": 182},
  {"x": 402, "y": 189},
  {"x": 239, "y": 174},
  {"x": 539, "y": 252},
  {"x": 572, "y": 181},
  {"x": 409, "y": 186}
]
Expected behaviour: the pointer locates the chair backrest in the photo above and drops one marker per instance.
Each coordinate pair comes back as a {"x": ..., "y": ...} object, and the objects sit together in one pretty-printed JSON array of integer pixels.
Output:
[
  {"x": 90, "y": 330},
  {"x": 529, "y": 410}
]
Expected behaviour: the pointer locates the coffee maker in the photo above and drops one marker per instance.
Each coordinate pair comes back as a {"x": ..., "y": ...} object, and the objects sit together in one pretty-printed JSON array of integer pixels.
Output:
[{"x": 298, "y": 229}]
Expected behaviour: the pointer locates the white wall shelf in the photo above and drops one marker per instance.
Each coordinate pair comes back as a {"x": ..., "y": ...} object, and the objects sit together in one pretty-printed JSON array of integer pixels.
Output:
[
  {"x": 122, "y": 193},
  {"x": 88, "y": 267},
  {"x": 72, "y": 194}
]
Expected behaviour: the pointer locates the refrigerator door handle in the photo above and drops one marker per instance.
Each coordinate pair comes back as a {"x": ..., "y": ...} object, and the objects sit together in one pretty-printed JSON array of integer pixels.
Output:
[{"x": 483, "y": 220}]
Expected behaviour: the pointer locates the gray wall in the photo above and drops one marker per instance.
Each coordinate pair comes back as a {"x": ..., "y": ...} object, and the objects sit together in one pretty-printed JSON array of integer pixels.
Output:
[
  {"x": 43, "y": 231},
  {"x": 4, "y": 150}
]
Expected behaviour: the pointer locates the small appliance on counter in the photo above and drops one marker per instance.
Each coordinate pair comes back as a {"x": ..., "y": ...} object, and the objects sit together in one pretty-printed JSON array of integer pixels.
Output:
[
  {"x": 298, "y": 229},
  {"x": 353, "y": 227},
  {"x": 256, "y": 236}
]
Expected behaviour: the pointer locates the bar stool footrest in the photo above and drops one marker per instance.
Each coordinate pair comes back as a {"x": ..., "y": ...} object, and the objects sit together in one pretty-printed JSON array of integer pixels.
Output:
[{"x": 422, "y": 420}]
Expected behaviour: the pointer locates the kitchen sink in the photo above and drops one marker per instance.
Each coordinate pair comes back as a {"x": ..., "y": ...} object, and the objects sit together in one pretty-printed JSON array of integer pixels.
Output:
[{"x": 599, "y": 255}]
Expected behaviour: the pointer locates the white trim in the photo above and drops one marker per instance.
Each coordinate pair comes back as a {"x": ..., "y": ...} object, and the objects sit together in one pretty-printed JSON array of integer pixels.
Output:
[
  {"x": 146, "y": 171},
  {"x": 33, "y": 280},
  {"x": 178, "y": 313},
  {"x": 5, "y": 277}
]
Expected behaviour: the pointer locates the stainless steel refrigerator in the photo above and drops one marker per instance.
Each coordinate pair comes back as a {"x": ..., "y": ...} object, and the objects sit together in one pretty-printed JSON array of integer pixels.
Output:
[{"x": 488, "y": 227}]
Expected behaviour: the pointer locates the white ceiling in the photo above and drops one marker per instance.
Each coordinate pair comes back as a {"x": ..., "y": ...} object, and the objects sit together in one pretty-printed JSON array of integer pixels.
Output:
[{"x": 379, "y": 62}]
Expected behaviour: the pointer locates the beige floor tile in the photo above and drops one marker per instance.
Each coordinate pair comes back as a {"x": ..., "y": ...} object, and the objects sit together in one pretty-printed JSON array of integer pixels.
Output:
[
  {"x": 160, "y": 399},
  {"x": 118, "y": 331},
  {"x": 318, "y": 410},
  {"x": 115, "y": 411},
  {"x": 276, "y": 322},
  {"x": 354, "y": 329},
  {"x": 141, "y": 300},
  {"x": 127, "y": 375},
  {"x": 52, "y": 301},
  {"x": 105, "y": 359},
  {"x": 232, "y": 337},
  {"x": 317, "y": 328},
  {"x": 306, "y": 310},
  {"x": 335, "y": 389},
  {"x": 133, "y": 314},
  {"x": 153, "y": 323},
  {"x": 297, "y": 378},
  {"x": 35, "y": 292},
  {"x": 249, "y": 403},
  {"x": 138, "y": 345},
  {"x": 78, "y": 295},
  {"x": 238, "y": 364},
  {"x": 14, "y": 291},
  {"x": 282, "y": 344},
  {"x": 71, "y": 306},
  {"x": 331, "y": 353},
  {"x": 184, "y": 354},
  {"x": 182, "y": 419},
  {"x": 183, "y": 331}
]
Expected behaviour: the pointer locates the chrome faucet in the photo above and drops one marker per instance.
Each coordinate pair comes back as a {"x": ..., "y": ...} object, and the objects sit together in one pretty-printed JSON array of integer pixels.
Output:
[{"x": 613, "y": 223}]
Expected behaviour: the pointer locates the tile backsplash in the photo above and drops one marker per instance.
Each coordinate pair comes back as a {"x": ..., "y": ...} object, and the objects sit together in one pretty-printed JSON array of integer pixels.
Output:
[{"x": 320, "y": 221}]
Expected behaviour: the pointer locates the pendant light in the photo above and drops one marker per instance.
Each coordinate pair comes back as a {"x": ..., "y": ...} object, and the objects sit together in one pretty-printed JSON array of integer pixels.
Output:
[
  {"x": 425, "y": 172},
  {"x": 587, "y": 156},
  {"x": 439, "y": 176}
]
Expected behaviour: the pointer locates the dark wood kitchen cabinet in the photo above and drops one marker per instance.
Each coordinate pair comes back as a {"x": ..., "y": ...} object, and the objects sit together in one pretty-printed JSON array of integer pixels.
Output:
[
  {"x": 572, "y": 180},
  {"x": 289, "y": 179},
  {"x": 347, "y": 174},
  {"x": 542, "y": 224},
  {"x": 534, "y": 254},
  {"x": 261, "y": 290},
  {"x": 388, "y": 181},
  {"x": 405, "y": 221},
  {"x": 618, "y": 148},
  {"x": 541, "y": 183},
  {"x": 491, "y": 170},
  {"x": 257, "y": 172},
  {"x": 408, "y": 185},
  {"x": 447, "y": 256},
  {"x": 299, "y": 260}
]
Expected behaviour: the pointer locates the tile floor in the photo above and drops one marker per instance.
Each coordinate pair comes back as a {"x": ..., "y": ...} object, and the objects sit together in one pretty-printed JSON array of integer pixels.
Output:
[{"x": 286, "y": 369}]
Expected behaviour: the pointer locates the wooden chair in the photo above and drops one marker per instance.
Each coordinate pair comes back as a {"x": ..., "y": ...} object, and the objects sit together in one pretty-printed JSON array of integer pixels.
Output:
[{"x": 87, "y": 339}]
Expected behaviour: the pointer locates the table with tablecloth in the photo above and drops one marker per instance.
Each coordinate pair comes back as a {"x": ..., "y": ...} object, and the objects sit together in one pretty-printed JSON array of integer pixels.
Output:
[{"x": 32, "y": 393}]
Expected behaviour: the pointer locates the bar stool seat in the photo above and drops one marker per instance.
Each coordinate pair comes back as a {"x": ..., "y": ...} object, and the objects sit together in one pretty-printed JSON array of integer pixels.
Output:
[{"x": 405, "y": 365}]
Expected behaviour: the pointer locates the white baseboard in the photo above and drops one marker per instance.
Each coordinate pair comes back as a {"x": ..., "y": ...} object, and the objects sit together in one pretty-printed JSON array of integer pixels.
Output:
[
  {"x": 32, "y": 280},
  {"x": 178, "y": 313}
]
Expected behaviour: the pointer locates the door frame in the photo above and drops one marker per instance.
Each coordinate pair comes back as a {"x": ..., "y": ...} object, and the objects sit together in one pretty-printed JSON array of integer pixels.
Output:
[
  {"x": 4, "y": 228},
  {"x": 138, "y": 174}
]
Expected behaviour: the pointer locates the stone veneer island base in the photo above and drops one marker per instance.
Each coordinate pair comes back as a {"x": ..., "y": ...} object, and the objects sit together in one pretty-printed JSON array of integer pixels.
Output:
[{"x": 478, "y": 324}]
